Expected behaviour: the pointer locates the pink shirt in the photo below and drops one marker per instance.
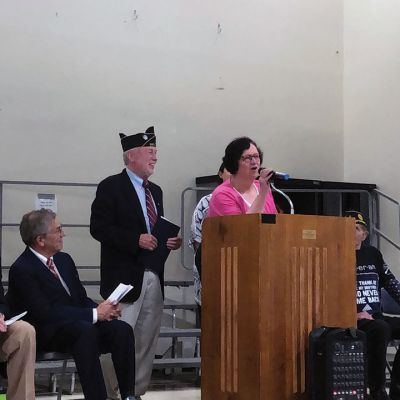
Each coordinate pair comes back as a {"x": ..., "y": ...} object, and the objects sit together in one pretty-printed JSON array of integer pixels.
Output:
[{"x": 226, "y": 200}]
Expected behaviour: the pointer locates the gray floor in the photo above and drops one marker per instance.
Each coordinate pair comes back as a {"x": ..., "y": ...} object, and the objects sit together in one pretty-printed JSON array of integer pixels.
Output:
[
  {"x": 183, "y": 385},
  {"x": 181, "y": 394}
]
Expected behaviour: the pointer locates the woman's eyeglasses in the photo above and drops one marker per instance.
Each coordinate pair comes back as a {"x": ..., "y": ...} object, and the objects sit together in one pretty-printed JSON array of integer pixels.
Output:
[{"x": 247, "y": 159}]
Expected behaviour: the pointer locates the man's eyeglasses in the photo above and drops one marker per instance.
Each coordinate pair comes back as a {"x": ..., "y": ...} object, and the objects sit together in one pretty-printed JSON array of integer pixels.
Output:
[
  {"x": 248, "y": 158},
  {"x": 59, "y": 230}
]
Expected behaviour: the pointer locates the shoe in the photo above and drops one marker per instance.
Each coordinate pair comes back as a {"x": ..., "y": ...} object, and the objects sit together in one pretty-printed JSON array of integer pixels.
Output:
[{"x": 379, "y": 395}]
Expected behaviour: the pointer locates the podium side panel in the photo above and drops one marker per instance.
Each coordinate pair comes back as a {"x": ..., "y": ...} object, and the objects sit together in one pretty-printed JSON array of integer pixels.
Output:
[{"x": 230, "y": 313}]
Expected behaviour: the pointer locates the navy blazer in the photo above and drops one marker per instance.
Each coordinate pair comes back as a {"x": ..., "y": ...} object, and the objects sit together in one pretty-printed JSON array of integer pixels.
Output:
[
  {"x": 117, "y": 221},
  {"x": 33, "y": 288}
]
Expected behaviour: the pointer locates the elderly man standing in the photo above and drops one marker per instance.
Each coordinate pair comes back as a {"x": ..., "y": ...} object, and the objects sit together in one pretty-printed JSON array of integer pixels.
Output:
[
  {"x": 45, "y": 282},
  {"x": 124, "y": 213}
]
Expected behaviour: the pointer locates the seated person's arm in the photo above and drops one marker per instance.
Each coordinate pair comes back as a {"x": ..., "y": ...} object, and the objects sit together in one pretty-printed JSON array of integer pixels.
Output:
[{"x": 390, "y": 283}]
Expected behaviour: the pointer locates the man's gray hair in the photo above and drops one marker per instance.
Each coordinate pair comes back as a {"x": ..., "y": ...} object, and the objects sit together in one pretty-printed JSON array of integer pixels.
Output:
[
  {"x": 34, "y": 224},
  {"x": 125, "y": 155}
]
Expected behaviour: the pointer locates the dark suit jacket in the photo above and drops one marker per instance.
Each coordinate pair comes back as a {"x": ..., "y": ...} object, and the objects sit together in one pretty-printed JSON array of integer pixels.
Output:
[
  {"x": 33, "y": 288},
  {"x": 117, "y": 221}
]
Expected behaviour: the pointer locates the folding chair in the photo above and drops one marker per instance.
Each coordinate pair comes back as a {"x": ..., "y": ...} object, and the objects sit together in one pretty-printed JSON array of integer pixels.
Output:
[{"x": 46, "y": 356}]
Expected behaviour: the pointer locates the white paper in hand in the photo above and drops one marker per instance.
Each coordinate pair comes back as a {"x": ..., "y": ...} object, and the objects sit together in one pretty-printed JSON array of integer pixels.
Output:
[
  {"x": 120, "y": 291},
  {"x": 16, "y": 318}
]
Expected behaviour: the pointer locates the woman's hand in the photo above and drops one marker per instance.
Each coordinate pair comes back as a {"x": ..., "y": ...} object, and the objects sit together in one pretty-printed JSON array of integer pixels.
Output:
[
  {"x": 259, "y": 201},
  {"x": 265, "y": 176}
]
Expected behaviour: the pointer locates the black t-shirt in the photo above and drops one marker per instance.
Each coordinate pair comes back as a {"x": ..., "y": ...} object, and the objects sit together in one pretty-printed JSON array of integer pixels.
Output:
[
  {"x": 369, "y": 277},
  {"x": 372, "y": 275}
]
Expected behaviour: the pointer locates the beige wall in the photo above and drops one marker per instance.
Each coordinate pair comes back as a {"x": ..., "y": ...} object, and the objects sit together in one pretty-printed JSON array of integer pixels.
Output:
[
  {"x": 75, "y": 73},
  {"x": 371, "y": 104},
  {"x": 372, "y": 93}
]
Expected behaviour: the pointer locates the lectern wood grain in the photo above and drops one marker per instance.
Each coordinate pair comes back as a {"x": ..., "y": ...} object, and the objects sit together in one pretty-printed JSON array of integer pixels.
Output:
[{"x": 265, "y": 286}]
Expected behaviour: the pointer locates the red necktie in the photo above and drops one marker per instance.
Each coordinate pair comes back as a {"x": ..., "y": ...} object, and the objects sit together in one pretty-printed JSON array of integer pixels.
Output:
[
  {"x": 151, "y": 211},
  {"x": 51, "y": 266}
]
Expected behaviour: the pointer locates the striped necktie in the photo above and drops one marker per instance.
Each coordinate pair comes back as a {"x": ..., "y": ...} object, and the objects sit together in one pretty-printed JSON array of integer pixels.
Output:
[
  {"x": 51, "y": 266},
  {"x": 151, "y": 211}
]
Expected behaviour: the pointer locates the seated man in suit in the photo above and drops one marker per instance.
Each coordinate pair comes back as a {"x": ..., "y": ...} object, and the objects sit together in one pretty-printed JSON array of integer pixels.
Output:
[
  {"x": 45, "y": 282},
  {"x": 18, "y": 350}
]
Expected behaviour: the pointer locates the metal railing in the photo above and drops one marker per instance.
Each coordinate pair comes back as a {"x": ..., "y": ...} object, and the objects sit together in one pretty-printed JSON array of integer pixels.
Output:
[
  {"x": 377, "y": 230},
  {"x": 373, "y": 210}
]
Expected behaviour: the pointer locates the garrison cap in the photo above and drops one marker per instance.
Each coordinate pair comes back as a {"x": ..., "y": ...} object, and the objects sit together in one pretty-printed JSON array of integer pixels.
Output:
[{"x": 148, "y": 138}]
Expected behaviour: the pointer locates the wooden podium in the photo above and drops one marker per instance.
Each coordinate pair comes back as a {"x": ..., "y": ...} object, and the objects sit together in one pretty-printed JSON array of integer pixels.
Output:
[{"x": 267, "y": 281}]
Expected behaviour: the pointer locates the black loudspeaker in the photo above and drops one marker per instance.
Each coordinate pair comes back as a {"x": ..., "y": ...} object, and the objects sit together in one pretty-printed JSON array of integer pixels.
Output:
[{"x": 337, "y": 364}]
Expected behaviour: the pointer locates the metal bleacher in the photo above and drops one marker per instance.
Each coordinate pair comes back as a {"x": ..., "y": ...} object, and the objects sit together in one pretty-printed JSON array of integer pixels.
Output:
[{"x": 174, "y": 329}]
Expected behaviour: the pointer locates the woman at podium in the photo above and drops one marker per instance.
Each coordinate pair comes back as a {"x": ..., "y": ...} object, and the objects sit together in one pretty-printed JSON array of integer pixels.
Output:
[{"x": 243, "y": 193}]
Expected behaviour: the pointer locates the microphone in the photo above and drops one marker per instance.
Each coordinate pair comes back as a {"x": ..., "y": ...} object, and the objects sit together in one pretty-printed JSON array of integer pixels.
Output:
[
  {"x": 280, "y": 175},
  {"x": 277, "y": 175}
]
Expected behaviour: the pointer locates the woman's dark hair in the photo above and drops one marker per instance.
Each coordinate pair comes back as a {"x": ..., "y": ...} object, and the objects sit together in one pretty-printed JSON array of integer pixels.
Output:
[
  {"x": 234, "y": 151},
  {"x": 220, "y": 171}
]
